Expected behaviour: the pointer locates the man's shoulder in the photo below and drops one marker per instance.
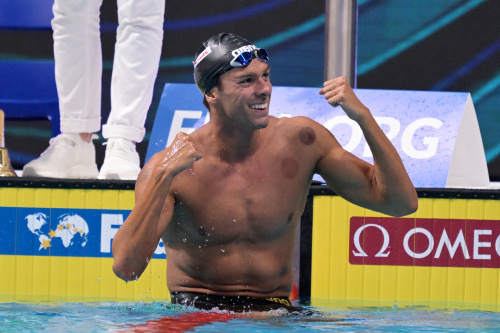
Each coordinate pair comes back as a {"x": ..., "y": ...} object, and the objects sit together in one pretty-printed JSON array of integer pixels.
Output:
[
  {"x": 305, "y": 129},
  {"x": 290, "y": 123},
  {"x": 201, "y": 132}
]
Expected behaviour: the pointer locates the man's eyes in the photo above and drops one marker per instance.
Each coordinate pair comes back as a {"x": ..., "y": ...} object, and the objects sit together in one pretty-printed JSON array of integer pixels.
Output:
[
  {"x": 246, "y": 80},
  {"x": 251, "y": 79}
]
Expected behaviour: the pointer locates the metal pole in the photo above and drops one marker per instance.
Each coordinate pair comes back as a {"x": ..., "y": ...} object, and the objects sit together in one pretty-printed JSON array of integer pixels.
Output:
[{"x": 341, "y": 39}]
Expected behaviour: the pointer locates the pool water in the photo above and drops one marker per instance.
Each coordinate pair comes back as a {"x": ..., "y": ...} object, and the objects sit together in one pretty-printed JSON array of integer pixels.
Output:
[{"x": 166, "y": 317}]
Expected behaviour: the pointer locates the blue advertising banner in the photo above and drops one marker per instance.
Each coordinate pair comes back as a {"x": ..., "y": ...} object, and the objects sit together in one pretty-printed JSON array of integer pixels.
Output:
[
  {"x": 423, "y": 126},
  {"x": 63, "y": 232}
]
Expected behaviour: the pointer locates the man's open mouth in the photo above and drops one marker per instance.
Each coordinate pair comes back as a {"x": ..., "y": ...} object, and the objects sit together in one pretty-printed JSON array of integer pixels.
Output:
[{"x": 260, "y": 106}]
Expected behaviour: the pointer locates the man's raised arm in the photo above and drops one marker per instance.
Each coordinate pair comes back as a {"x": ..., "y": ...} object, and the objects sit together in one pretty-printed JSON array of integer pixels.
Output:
[
  {"x": 385, "y": 186},
  {"x": 138, "y": 237}
]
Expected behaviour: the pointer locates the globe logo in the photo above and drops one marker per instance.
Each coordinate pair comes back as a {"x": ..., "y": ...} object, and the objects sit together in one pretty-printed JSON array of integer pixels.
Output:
[{"x": 71, "y": 229}]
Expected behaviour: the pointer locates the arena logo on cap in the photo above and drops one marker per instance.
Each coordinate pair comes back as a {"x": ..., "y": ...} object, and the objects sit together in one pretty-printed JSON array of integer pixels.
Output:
[
  {"x": 246, "y": 48},
  {"x": 202, "y": 55}
]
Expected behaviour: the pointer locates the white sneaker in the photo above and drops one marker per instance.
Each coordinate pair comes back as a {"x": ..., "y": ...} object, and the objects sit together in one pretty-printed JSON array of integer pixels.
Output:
[
  {"x": 68, "y": 156},
  {"x": 121, "y": 160}
]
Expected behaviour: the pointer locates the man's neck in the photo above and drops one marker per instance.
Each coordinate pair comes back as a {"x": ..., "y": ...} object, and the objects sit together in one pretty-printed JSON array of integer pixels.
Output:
[{"x": 233, "y": 144}]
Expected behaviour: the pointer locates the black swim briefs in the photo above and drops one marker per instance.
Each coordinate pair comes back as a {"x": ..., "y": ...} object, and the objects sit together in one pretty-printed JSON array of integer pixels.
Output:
[{"x": 231, "y": 303}]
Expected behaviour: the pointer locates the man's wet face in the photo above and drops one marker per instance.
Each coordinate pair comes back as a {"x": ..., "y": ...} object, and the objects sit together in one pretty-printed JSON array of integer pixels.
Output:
[{"x": 245, "y": 94}]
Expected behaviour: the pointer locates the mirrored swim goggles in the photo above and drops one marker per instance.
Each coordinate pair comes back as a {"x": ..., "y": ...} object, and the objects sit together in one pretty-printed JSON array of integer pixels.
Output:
[{"x": 244, "y": 58}]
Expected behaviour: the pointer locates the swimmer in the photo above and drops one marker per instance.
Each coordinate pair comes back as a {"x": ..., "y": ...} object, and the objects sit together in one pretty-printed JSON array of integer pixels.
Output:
[{"x": 226, "y": 199}]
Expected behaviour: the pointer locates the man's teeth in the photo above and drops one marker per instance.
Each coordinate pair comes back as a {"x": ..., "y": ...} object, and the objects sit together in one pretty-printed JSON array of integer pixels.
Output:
[{"x": 258, "y": 106}]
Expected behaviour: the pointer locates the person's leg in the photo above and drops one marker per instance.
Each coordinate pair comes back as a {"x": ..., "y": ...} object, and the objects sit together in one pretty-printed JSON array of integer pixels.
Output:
[
  {"x": 78, "y": 62},
  {"x": 135, "y": 67},
  {"x": 78, "y": 68}
]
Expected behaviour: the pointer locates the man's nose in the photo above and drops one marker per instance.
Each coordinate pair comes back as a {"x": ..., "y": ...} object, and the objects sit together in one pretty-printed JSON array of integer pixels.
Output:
[{"x": 265, "y": 87}]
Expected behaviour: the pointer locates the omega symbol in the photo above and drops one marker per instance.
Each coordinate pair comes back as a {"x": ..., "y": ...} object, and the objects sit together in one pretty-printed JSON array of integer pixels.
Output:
[{"x": 385, "y": 245}]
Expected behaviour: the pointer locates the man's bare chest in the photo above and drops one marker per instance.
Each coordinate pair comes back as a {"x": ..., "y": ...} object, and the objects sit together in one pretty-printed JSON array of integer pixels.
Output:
[{"x": 258, "y": 198}]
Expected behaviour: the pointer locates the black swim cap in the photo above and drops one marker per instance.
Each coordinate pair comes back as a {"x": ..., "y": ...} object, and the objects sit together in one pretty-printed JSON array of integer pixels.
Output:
[{"x": 213, "y": 57}]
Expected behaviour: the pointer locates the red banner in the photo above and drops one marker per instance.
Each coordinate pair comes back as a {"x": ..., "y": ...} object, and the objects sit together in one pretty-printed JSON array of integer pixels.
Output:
[{"x": 424, "y": 242}]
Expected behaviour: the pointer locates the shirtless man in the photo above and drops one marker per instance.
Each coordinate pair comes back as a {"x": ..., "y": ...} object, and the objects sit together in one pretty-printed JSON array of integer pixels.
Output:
[{"x": 226, "y": 199}]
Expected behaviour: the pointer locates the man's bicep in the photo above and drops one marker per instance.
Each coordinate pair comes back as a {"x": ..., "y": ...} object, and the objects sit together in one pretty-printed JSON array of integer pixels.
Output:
[
  {"x": 348, "y": 175},
  {"x": 143, "y": 190},
  {"x": 143, "y": 180},
  {"x": 166, "y": 215}
]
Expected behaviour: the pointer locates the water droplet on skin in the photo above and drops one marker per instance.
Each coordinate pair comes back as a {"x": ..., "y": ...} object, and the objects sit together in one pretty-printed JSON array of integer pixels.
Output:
[
  {"x": 222, "y": 250},
  {"x": 184, "y": 240},
  {"x": 234, "y": 220}
]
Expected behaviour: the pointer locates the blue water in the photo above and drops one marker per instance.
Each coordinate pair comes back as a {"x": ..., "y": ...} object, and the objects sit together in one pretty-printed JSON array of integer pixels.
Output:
[{"x": 165, "y": 317}]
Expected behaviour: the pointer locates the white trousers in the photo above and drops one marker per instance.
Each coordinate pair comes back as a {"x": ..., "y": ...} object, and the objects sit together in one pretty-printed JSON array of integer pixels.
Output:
[{"x": 78, "y": 61}]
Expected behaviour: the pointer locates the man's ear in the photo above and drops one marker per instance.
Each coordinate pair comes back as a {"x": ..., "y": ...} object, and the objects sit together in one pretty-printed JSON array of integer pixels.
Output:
[{"x": 211, "y": 96}]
